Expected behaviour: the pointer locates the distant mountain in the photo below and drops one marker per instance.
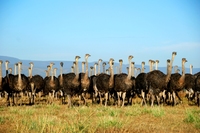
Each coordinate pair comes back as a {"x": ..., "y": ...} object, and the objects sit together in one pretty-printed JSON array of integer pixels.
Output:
[{"x": 41, "y": 66}]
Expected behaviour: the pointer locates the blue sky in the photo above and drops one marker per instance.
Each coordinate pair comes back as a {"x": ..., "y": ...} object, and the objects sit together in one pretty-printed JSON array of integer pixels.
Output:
[{"x": 51, "y": 30}]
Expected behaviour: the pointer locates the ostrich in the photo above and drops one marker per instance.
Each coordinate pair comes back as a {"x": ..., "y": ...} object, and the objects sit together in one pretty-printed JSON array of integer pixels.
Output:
[
  {"x": 189, "y": 84},
  {"x": 123, "y": 83},
  {"x": 84, "y": 80},
  {"x": 8, "y": 86},
  {"x": 20, "y": 82},
  {"x": 51, "y": 84},
  {"x": 141, "y": 83},
  {"x": 36, "y": 84},
  {"x": 157, "y": 81},
  {"x": 71, "y": 83},
  {"x": 105, "y": 82},
  {"x": 197, "y": 89},
  {"x": 91, "y": 70},
  {"x": 177, "y": 82}
]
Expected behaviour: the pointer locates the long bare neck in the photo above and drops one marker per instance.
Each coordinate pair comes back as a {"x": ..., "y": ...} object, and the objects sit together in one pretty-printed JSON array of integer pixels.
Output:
[
  {"x": 30, "y": 75},
  {"x": 150, "y": 66},
  {"x": 132, "y": 69},
  {"x": 168, "y": 72},
  {"x": 83, "y": 69},
  {"x": 95, "y": 71},
  {"x": 111, "y": 80},
  {"x": 77, "y": 70},
  {"x": 19, "y": 71},
  {"x": 120, "y": 67},
  {"x": 15, "y": 69},
  {"x": 129, "y": 70},
  {"x": 86, "y": 68},
  {"x": 142, "y": 68},
  {"x": 183, "y": 71}
]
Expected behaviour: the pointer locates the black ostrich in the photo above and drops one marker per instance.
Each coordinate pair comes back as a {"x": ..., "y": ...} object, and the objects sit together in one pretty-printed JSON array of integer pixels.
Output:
[
  {"x": 105, "y": 82},
  {"x": 157, "y": 81},
  {"x": 189, "y": 84},
  {"x": 71, "y": 83},
  {"x": 197, "y": 89},
  {"x": 8, "y": 85},
  {"x": 51, "y": 85},
  {"x": 123, "y": 84},
  {"x": 36, "y": 84},
  {"x": 177, "y": 82},
  {"x": 20, "y": 83},
  {"x": 92, "y": 88},
  {"x": 141, "y": 84},
  {"x": 84, "y": 80}
]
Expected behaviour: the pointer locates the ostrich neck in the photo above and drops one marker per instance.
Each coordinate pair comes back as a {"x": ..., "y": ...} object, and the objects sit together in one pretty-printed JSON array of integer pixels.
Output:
[
  {"x": 19, "y": 72},
  {"x": 61, "y": 71},
  {"x": 83, "y": 68},
  {"x": 182, "y": 78},
  {"x": 156, "y": 65},
  {"x": 150, "y": 67},
  {"x": 99, "y": 68},
  {"x": 77, "y": 71},
  {"x": 104, "y": 70},
  {"x": 142, "y": 68},
  {"x": 168, "y": 73},
  {"x": 95, "y": 73},
  {"x": 129, "y": 70},
  {"x": 15, "y": 69},
  {"x": 120, "y": 68},
  {"x": 86, "y": 68},
  {"x": 111, "y": 80},
  {"x": 51, "y": 74},
  {"x": 132, "y": 69}
]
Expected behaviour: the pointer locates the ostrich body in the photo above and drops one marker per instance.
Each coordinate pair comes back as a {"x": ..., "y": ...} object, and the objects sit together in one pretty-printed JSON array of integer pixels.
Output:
[
  {"x": 123, "y": 83},
  {"x": 157, "y": 81},
  {"x": 177, "y": 82},
  {"x": 105, "y": 82}
]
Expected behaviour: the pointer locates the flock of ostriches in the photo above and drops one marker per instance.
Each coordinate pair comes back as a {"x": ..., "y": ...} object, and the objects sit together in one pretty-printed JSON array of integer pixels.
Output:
[{"x": 152, "y": 87}]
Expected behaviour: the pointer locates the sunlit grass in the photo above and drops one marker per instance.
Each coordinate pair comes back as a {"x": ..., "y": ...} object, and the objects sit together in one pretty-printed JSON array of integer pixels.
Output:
[{"x": 57, "y": 118}]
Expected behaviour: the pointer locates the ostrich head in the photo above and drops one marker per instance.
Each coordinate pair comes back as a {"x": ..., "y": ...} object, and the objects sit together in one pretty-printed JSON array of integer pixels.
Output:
[
  {"x": 61, "y": 64},
  {"x": 77, "y": 58},
  {"x": 104, "y": 63},
  {"x": 130, "y": 57},
  {"x": 120, "y": 61},
  {"x": 87, "y": 55}
]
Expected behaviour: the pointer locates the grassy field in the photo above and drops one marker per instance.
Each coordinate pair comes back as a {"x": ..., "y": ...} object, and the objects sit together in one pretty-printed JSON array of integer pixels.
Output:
[{"x": 57, "y": 118}]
